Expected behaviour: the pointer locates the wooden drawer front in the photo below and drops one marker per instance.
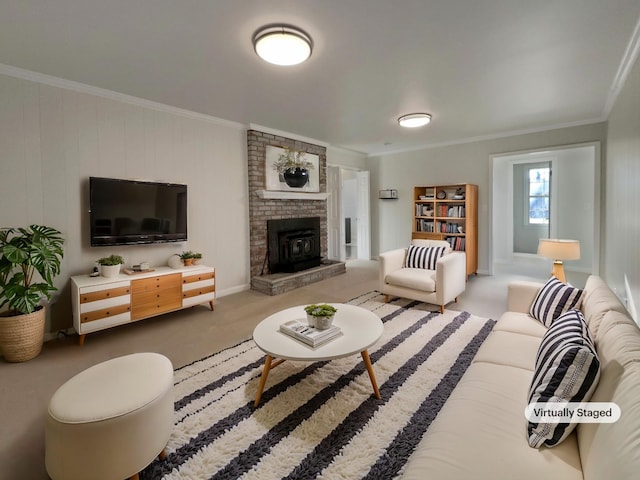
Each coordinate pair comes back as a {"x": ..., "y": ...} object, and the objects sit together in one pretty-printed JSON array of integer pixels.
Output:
[
  {"x": 104, "y": 313},
  {"x": 198, "y": 291},
  {"x": 104, "y": 294},
  {"x": 198, "y": 277},
  {"x": 156, "y": 283},
  {"x": 150, "y": 308},
  {"x": 161, "y": 296}
]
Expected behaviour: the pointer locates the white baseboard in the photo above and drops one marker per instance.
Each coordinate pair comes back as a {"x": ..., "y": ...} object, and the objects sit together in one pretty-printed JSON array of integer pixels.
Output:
[{"x": 232, "y": 290}]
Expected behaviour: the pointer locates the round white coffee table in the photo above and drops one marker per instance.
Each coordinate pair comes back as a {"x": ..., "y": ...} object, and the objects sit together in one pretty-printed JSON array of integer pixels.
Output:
[{"x": 360, "y": 330}]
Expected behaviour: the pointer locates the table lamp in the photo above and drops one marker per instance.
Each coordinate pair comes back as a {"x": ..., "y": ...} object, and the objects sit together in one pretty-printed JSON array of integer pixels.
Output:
[{"x": 559, "y": 250}]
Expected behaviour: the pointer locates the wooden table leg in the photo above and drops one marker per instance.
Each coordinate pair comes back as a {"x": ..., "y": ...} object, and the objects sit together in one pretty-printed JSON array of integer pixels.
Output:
[
  {"x": 263, "y": 379},
  {"x": 372, "y": 376}
]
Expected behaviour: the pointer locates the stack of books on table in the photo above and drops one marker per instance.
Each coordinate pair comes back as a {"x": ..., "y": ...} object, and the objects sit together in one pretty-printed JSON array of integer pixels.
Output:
[{"x": 300, "y": 330}]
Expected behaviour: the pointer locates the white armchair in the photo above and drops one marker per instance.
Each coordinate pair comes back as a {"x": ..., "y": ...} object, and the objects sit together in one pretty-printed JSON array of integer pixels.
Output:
[{"x": 439, "y": 286}]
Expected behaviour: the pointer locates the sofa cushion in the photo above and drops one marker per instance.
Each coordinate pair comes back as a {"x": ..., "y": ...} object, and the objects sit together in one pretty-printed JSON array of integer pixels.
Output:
[
  {"x": 509, "y": 348},
  {"x": 612, "y": 450},
  {"x": 598, "y": 300},
  {"x": 478, "y": 433},
  {"x": 522, "y": 323},
  {"x": 423, "y": 257},
  {"x": 566, "y": 370},
  {"x": 423, "y": 242},
  {"x": 553, "y": 299},
  {"x": 414, "y": 278}
]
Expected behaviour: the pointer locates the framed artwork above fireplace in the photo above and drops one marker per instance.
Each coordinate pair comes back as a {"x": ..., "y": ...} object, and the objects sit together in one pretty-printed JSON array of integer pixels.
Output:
[{"x": 275, "y": 182}]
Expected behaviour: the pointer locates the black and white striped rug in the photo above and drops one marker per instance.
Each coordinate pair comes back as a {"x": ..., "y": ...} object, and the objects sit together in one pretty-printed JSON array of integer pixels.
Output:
[{"x": 320, "y": 420}]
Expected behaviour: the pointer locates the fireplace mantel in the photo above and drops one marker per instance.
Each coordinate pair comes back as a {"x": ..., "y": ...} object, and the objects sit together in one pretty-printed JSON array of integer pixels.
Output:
[{"x": 277, "y": 195}]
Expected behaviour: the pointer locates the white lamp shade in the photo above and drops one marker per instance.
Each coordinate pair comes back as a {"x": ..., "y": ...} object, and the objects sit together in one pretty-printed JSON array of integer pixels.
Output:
[
  {"x": 557, "y": 249},
  {"x": 282, "y": 45}
]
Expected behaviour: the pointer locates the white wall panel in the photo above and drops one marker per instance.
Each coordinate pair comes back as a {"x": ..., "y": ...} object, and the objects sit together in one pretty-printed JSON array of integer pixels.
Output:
[
  {"x": 30, "y": 136},
  {"x": 13, "y": 163},
  {"x": 622, "y": 213},
  {"x": 52, "y": 139}
]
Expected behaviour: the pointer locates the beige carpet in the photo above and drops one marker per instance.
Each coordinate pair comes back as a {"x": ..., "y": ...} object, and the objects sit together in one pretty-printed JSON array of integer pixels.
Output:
[
  {"x": 184, "y": 337},
  {"x": 321, "y": 419}
]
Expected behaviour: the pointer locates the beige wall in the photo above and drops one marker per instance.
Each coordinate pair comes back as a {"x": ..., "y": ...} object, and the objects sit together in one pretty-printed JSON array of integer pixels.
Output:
[
  {"x": 463, "y": 163},
  {"x": 622, "y": 190},
  {"x": 52, "y": 139}
]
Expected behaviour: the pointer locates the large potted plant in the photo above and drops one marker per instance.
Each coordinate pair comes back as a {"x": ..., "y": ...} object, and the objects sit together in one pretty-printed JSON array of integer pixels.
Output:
[
  {"x": 29, "y": 260},
  {"x": 293, "y": 167}
]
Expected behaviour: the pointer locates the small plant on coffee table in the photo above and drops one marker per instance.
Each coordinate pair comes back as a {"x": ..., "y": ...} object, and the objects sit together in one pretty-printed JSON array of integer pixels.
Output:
[
  {"x": 322, "y": 310},
  {"x": 320, "y": 316}
]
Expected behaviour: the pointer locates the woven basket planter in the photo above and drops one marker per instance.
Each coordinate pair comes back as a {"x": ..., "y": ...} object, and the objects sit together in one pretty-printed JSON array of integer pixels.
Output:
[{"x": 21, "y": 336}]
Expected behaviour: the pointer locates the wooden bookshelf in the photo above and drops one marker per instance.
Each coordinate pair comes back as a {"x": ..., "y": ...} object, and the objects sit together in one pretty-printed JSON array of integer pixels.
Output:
[{"x": 448, "y": 212}]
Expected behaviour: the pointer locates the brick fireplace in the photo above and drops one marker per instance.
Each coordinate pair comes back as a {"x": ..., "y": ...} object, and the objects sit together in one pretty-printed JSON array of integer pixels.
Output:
[{"x": 262, "y": 210}]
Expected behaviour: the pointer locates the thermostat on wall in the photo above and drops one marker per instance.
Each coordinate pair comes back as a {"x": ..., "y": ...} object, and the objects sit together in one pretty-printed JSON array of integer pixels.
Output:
[{"x": 390, "y": 193}]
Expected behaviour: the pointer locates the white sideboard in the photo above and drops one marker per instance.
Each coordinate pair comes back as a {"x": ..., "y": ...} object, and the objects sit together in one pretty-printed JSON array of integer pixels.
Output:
[{"x": 102, "y": 302}]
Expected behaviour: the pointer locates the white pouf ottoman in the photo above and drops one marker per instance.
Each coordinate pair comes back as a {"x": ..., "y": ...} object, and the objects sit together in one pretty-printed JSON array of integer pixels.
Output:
[{"x": 110, "y": 421}]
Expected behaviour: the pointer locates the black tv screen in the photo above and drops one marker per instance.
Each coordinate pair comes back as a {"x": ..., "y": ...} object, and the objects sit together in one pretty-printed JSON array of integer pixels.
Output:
[{"x": 125, "y": 212}]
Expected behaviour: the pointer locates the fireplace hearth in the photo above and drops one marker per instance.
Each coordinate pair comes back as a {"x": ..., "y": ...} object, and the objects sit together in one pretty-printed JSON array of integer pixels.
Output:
[{"x": 294, "y": 244}]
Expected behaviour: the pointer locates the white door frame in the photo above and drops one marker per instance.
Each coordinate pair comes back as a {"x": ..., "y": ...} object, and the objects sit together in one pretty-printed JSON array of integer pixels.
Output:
[
  {"x": 335, "y": 218},
  {"x": 493, "y": 218}
]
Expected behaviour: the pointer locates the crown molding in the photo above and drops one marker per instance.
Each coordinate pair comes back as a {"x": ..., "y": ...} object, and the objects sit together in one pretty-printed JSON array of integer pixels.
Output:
[
  {"x": 111, "y": 95},
  {"x": 482, "y": 138},
  {"x": 628, "y": 61}
]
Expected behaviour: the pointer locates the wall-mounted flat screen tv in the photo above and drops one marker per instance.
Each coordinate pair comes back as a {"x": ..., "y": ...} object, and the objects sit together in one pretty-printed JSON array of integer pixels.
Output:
[{"x": 127, "y": 212}]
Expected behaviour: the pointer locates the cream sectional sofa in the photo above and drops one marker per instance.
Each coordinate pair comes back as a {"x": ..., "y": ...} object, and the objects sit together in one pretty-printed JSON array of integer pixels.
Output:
[{"x": 481, "y": 432}]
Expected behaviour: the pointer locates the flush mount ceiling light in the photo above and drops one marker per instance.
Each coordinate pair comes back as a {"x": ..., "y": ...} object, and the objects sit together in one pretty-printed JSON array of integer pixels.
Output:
[
  {"x": 282, "y": 44},
  {"x": 413, "y": 120}
]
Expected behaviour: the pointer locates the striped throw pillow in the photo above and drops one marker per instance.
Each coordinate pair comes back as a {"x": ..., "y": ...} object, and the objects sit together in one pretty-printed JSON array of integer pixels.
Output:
[
  {"x": 567, "y": 370},
  {"x": 423, "y": 257},
  {"x": 553, "y": 299}
]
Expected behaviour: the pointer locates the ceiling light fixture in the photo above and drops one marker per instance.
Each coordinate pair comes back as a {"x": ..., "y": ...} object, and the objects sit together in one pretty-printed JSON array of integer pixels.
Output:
[
  {"x": 413, "y": 120},
  {"x": 282, "y": 44}
]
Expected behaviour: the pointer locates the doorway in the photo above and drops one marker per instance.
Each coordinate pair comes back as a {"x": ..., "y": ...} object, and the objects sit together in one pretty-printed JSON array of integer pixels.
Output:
[
  {"x": 348, "y": 214},
  {"x": 571, "y": 204}
]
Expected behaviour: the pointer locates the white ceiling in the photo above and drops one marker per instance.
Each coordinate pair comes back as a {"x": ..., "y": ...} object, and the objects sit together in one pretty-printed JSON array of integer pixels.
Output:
[{"x": 482, "y": 68}]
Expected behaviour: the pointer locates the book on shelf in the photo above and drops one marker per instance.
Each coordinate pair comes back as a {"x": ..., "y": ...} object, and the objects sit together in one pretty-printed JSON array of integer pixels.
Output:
[{"x": 312, "y": 336}]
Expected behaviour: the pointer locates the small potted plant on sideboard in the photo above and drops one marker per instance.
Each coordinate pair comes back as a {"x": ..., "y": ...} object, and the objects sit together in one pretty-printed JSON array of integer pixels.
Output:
[
  {"x": 29, "y": 260},
  {"x": 187, "y": 257},
  {"x": 110, "y": 266}
]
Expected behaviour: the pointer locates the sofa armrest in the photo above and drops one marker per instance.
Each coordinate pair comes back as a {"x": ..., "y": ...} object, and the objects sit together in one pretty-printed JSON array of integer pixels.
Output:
[
  {"x": 390, "y": 262},
  {"x": 521, "y": 295},
  {"x": 451, "y": 276}
]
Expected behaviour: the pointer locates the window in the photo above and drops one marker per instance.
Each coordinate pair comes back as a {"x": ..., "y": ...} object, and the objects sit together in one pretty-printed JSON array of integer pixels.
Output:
[{"x": 538, "y": 188}]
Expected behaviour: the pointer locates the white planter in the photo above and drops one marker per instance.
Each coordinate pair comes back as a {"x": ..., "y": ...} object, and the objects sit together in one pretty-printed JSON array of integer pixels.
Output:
[
  {"x": 110, "y": 270},
  {"x": 322, "y": 323}
]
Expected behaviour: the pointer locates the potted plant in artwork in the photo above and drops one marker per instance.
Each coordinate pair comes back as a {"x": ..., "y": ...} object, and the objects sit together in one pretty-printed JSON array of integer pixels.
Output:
[
  {"x": 293, "y": 167},
  {"x": 110, "y": 266},
  {"x": 320, "y": 316},
  {"x": 29, "y": 260}
]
